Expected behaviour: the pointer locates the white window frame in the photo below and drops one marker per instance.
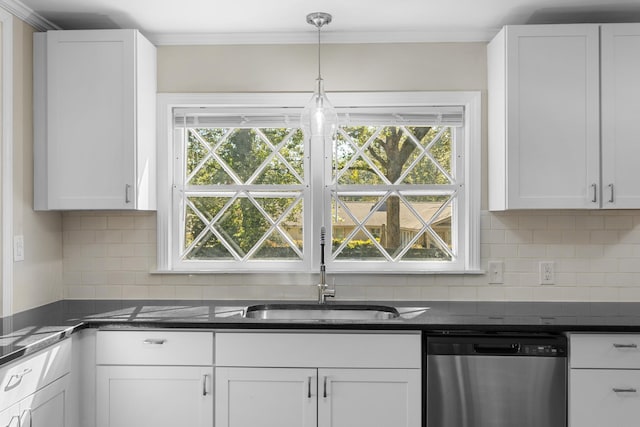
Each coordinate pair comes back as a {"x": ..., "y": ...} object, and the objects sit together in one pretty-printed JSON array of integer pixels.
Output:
[{"x": 469, "y": 251}]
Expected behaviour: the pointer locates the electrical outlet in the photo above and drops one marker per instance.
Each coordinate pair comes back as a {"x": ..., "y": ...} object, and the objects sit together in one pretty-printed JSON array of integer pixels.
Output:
[
  {"x": 547, "y": 273},
  {"x": 496, "y": 272}
]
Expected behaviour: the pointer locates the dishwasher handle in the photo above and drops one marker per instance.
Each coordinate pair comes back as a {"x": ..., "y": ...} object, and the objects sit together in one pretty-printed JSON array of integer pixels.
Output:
[{"x": 496, "y": 348}]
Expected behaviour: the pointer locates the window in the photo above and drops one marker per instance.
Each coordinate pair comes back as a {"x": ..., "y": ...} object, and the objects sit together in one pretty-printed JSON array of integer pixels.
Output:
[{"x": 397, "y": 191}]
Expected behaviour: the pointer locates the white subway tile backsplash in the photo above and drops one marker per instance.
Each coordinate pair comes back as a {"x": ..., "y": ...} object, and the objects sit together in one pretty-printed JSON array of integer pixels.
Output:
[
  {"x": 121, "y": 223},
  {"x": 502, "y": 251},
  {"x": 561, "y": 251},
  {"x": 605, "y": 237},
  {"x": 93, "y": 223},
  {"x": 537, "y": 221},
  {"x": 561, "y": 222},
  {"x": 110, "y": 255},
  {"x": 531, "y": 251},
  {"x": 589, "y": 222},
  {"x": 547, "y": 237},
  {"x": 135, "y": 292},
  {"x": 108, "y": 292},
  {"x": 618, "y": 222},
  {"x": 492, "y": 236},
  {"x": 518, "y": 236}
]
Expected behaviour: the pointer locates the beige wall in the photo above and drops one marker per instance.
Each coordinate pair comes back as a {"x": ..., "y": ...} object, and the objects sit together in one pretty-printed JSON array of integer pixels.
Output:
[
  {"x": 37, "y": 279},
  {"x": 293, "y": 68},
  {"x": 597, "y": 253}
]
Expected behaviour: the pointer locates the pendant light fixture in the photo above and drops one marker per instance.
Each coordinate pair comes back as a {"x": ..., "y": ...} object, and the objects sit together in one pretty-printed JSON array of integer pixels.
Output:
[{"x": 319, "y": 118}]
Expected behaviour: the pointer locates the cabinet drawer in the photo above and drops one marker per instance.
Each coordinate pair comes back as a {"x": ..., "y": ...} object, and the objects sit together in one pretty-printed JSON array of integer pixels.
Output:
[
  {"x": 604, "y": 397},
  {"x": 154, "y": 347},
  {"x": 26, "y": 376},
  {"x": 330, "y": 350},
  {"x": 605, "y": 351}
]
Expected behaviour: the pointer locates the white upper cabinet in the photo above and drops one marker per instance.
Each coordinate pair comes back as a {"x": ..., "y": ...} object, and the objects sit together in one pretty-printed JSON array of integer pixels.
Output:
[
  {"x": 95, "y": 112},
  {"x": 543, "y": 117},
  {"x": 620, "y": 115},
  {"x": 562, "y": 102}
]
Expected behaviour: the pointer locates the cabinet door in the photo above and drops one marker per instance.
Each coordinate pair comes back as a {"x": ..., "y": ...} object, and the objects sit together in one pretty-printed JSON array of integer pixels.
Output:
[
  {"x": 604, "y": 397},
  {"x": 154, "y": 396},
  {"x": 620, "y": 115},
  {"x": 369, "y": 397},
  {"x": 266, "y": 397},
  {"x": 46, "y": 407},
  {"x": 91, "y": 119},
  {"x": 552, "y": 98}
]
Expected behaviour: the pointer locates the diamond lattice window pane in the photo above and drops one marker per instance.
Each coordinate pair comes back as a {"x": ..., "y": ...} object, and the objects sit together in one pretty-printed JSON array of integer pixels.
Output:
[
  {"x": 201, "y": 167},
  {"x": 194, "y": 226},
  {"x": 432, "y": 166},
  {"x": 242, "y": 225},
  {"x": 209, "y": 247},
  {"x": 276, "y": 247},
  {"x": 286, "y": 167},
  {"x": 356, "y": 225},
  {"x": 244, "y": 151},
  {"x": 426, "y": 248},
  {"x": 356, "y": 167},
  {"x": 435, "y": 243}
]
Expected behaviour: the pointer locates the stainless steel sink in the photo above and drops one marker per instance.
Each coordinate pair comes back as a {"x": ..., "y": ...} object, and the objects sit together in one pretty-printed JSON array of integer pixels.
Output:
[{"x": 321, "y": 312}]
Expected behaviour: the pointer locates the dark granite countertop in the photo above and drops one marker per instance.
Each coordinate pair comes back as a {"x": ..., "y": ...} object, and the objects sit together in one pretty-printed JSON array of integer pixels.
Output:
[{"x": 34, "y": 329}]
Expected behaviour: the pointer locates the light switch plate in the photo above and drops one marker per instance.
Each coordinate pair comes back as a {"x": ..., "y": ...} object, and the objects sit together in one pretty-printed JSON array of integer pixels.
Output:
[
  {"x": 18, "y": 248},
  {"x": 496, "y": 272}
]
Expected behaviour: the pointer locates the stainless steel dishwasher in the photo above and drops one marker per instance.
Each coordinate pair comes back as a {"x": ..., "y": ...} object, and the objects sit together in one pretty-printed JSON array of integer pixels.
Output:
[{"x": 496, "y": 381}]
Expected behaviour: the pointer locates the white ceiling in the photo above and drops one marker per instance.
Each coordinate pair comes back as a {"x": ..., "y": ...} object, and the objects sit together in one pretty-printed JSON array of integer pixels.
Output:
[{"x": 283, "y": 21}]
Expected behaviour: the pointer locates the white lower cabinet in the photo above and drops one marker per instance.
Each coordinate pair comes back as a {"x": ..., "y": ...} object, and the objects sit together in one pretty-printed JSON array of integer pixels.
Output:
[
  {"x": 371, "y": 380},
  {"x": 154, "y": 378},
  {"x": 266, "y": 397},
  {"x": 604, "y": 397},
  {"x": 44, "y": 408},
  {"x": 604, "y": 380},
  {"x": 368, "y": 397},
  {"x": 154, "y": 396},
  {"x": 283, "y": 397},
  {"x": 34, "y": 391}
]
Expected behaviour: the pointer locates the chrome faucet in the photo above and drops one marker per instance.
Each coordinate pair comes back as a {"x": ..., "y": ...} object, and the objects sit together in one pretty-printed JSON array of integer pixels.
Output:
[
  {"x": 324, "y": 292},
  {"x": 323, "y": 289}
]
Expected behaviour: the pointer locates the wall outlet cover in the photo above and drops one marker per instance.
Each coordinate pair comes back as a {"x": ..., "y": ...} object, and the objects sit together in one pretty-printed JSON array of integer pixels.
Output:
[{"x": 547, "y": 273}]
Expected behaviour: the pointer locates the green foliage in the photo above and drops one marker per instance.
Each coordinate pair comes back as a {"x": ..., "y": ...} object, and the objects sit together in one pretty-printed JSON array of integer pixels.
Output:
[
  {"x": 392, "y": 151},
  {"x": 365, "y": 249}
]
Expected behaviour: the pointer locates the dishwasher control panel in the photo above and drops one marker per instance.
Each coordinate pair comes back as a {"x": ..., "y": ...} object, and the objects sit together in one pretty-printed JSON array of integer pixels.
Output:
[
  {"x": 491, "y": 345},
  {"x": 542, "y": 350}
]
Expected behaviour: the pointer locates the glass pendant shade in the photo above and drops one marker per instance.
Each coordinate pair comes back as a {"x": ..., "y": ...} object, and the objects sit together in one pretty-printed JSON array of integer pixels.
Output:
[{"x": 319, "y": 118}]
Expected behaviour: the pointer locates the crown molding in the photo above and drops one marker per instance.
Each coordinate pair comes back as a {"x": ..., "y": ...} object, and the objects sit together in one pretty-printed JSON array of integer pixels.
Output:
[
  {"x": 40, "y": 23},
  {"x": 327, "y": 37},
  {"x": 25, "y": 13}
]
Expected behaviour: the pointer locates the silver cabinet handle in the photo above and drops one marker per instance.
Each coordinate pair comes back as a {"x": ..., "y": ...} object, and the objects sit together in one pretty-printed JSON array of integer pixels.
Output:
[
  {"x": 127, "y": 190},
  {"x": 625, "y": 345},
  {"x": 610, "y": 193},
  {"x": 624, "y": 390},
  {"x": 324, "y": 394},
  {"x": 13, "y": 418},
  {"x": 30, "y": 417},
  {"x": 16, "y": 379},
  {"x": 594, "y": 187},
  {"x": 309, "y": 388},
  {"x": 204, "y": 384},
  {"x": 154, "y": 341}
]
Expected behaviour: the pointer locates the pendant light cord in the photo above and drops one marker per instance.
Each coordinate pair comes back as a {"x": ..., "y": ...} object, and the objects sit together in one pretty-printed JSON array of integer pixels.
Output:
[{"x": 319, "y": 74}]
